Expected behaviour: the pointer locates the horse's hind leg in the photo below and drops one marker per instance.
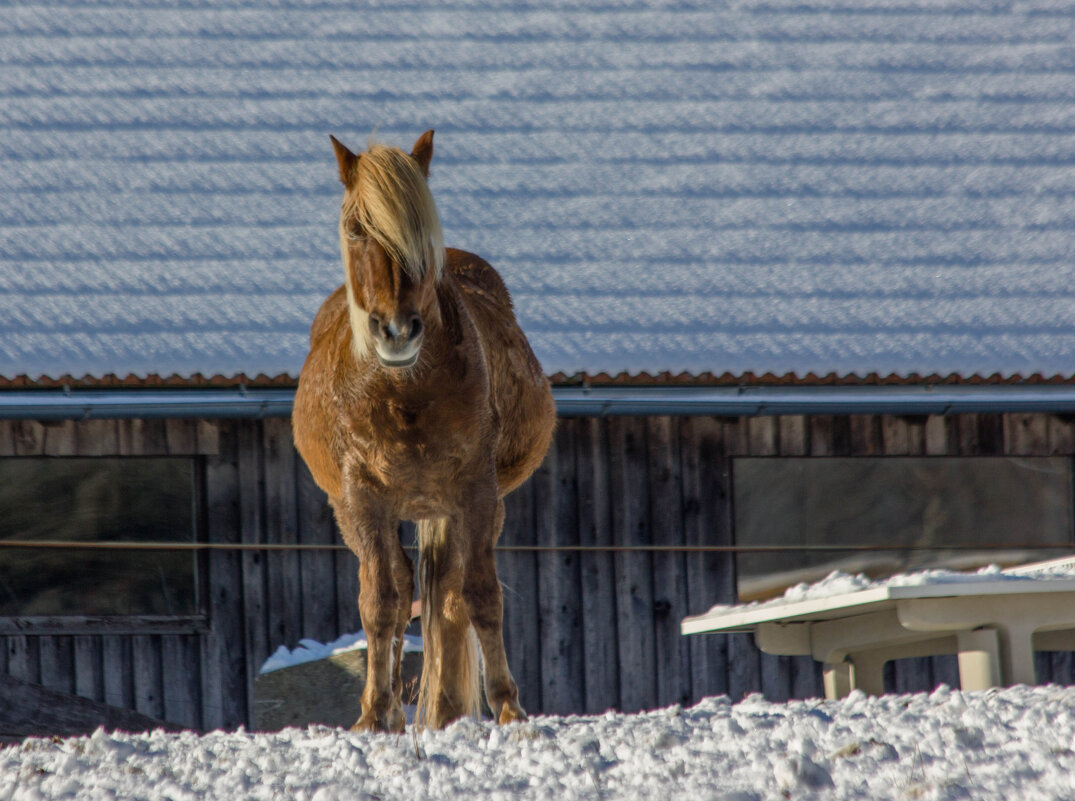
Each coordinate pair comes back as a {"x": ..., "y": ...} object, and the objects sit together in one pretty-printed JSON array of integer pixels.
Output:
[
  {"x": 450, "y": 664},
  {"x": 485, "y": 607},
  {"x": 404, "y": 575}
]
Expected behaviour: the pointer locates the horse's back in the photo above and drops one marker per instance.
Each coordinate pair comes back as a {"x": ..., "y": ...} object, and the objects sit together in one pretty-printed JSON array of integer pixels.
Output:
[{"x": 518, "y": 388}]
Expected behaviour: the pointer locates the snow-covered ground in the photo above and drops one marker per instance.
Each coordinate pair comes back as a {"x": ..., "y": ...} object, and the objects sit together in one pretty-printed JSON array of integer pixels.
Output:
[
  {"x": 1015, "y": 743},
  {"x": 1012, "y": 743}
]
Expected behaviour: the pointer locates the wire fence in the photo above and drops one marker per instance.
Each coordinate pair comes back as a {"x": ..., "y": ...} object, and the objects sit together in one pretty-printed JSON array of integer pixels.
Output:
[{"x": 114, "y": 545}]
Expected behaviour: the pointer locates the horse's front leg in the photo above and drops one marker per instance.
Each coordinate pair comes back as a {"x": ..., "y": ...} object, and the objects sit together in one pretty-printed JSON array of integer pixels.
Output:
[
  {"x": 385, "y": 579},
  {"x": 485, "y": 603}
]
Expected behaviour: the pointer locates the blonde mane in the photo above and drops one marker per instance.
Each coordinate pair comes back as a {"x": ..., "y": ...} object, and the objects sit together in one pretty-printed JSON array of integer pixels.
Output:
[{"x": 391, "y": 202}]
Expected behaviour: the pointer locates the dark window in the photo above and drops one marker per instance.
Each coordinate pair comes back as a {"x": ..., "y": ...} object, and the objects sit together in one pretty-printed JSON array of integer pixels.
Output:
[
  {"x": 933, "y": 512},
  {"x": 97, "y": 500}
]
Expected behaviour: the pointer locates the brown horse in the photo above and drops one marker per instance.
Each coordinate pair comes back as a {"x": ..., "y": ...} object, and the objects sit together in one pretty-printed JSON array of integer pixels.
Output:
[{"x": 420, "y": 400}]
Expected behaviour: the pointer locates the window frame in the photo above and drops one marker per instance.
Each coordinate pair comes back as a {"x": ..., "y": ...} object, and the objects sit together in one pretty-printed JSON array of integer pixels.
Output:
[
  {"x": 196, "y": 622},
  {"x": 733, "y": 499}
]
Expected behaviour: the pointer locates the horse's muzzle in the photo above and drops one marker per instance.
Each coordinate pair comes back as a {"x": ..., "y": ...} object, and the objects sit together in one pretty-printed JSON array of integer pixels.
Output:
[
  {"x": 397, "y": 345},
  {"x": 397, "y": 363}
]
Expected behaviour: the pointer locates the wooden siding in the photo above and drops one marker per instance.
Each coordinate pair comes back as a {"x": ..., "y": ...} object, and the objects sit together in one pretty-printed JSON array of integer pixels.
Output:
[{"x": 586, "y": 630}]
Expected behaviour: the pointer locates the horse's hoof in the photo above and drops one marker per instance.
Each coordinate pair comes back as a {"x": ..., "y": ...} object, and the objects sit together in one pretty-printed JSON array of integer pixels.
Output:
[
  {"x": 370, "y": 723},
  {"x": 392, "y": 722},
  {"x": 511, "y": 713},
  {"x": 396, "y": 722}
]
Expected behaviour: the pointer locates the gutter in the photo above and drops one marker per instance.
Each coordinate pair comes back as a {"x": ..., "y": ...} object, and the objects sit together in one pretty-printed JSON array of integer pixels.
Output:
[{"x": 570, "y": 401}]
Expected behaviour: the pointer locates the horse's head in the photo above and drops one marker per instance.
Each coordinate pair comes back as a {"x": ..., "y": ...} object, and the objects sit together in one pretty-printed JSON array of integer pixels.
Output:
[{"x": 390, "y": 239}]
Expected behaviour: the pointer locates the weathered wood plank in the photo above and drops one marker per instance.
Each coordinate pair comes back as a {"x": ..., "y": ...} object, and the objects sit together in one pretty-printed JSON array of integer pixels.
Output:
[
  {"x": 57, "y": 656},
  {"x": 762, "y": 435},
  {"x": 736, "y": 436},
  {"x": 866, "y": 435},
  {"x": 841, "y": 436},
  {"x": 117, "y": 668},
  {"x": 776, "y": 676},
  {"x": 1061, "y": 430},
  {"x": 944, "y": 669},
  {"x": 181, "y": 436},
  {"x": 29, "y": 438},
  {"x": 224, "y": 697},
  {"x": 942, "y": 436},
  {"x": 314, "y": 516},
  {"x": 634, "y": 573},
  {"x": 23, "y": 659},
  {"x": 7, "y": 438},
  {"x": 807, "y": 680},
  {"x": 96, "y": 438},
  {"x": 182, "y": 681},
  {"x": 967, "y": 431},
  {"x": 558, "y": 578},
  {"x": 1061, "y": 667},
  {"x": 60, "y": 439},
  {"x": 283, "y": 580},
  {"x": 57, "y": 625},
  {"x": 599, "y": 638},
  {"x": 794, "y": 435},
  {"x": 671, "y": 602},
  {"x": 707, "y": 520},
  {"x": 252, "y": 530},
  {"x": 88, "y": 668},
  {"x": 129, "y": 437},
  {"x": 990, "y": 435},
  {"x": 913, "y": 675},
  {"x": 518, "y": 578},
  {"x": 903, "y": 436},
  {"x": 821, "y": 437},
  {"x": 154, "y": 438},
  {"x": 1026, "y": 434},
  {"x": 146, "y": 673},
  {"x": 207, "y": 437}
]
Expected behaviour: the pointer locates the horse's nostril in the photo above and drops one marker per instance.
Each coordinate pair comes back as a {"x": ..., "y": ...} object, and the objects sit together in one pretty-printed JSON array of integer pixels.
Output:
[
  {"x": 416, "y": 327},
  {"x": 379, "y": 328}
]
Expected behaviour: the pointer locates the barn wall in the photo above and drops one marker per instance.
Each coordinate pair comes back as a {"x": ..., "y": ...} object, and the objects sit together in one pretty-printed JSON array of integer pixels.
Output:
[{"x": 586, "y": 631}]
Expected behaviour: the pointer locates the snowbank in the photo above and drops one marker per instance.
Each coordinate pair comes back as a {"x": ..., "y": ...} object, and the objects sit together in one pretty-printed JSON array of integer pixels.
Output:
[
  {"x": 1016, "y": 743},
  {"x": 310, "y": 650}
]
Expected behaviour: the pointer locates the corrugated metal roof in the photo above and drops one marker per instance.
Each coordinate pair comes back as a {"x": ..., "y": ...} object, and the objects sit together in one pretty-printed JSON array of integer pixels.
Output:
[{"x": 813, "y": 191}]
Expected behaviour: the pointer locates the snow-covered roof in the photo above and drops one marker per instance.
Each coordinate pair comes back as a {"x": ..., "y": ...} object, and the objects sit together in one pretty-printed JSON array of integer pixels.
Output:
[{"x": 782, "y": 186}]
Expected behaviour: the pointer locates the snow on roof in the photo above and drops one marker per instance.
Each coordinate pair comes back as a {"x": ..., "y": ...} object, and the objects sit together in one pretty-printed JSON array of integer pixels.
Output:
[{"x": 794, "y": 186}]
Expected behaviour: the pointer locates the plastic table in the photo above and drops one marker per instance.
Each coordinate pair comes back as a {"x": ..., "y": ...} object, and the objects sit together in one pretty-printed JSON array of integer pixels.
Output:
[{"x": 994, "y": 626}]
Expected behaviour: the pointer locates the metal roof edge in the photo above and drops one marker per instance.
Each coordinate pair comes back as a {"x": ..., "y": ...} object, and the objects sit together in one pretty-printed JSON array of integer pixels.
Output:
[
  {"x": 754, "y": 401},
  {"x": 116, "y": 404},
  {"x": 746, "y": 401}
]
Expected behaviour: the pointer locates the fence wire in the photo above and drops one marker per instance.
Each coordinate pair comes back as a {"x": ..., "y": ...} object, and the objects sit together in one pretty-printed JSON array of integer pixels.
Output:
[{"x": 507, "y": 548}]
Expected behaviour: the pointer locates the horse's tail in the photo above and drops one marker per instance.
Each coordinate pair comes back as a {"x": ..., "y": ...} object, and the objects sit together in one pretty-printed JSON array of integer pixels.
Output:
[{"x": 450, "y": 664}]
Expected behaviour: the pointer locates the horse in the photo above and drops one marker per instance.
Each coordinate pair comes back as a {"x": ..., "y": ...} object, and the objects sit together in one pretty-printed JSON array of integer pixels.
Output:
[{"x": 420, "y": 399}]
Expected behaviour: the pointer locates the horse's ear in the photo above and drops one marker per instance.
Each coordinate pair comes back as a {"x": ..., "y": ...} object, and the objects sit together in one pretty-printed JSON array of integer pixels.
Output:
[
  {"x": 423, "y": 151},
  {"x": 346, "y": 159}
]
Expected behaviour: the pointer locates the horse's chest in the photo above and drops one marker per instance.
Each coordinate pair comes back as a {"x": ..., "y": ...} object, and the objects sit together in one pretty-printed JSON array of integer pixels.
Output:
[{"x": 417, "y": 450}]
